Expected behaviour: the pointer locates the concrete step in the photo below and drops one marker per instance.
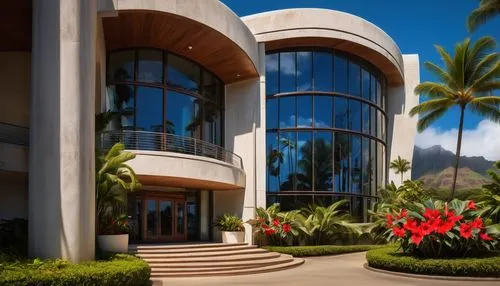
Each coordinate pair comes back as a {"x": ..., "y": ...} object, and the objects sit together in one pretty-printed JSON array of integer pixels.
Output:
[
  {"x": 223, "y": 258},
  {"x": 223, "y": 272},
  {"x": 251, "y": 250},
  {"x": 194, "y": 250},
  {"x": 156, "y": 266},
  {"x": 182, "y": 246}
]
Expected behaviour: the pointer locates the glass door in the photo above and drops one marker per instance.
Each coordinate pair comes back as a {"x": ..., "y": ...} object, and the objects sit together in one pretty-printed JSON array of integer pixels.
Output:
[{"x": 164, "y": 219}]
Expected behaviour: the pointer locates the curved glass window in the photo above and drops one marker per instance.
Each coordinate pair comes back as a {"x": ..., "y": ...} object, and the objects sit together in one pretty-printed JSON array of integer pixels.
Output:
[
  {"x": 156, "y": 91},
  {"x": 325, "y": 122}
]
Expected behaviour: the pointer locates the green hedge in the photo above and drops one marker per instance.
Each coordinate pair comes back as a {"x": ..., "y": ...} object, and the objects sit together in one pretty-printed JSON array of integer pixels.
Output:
[
  {"x": 120, "y": 269},
  {"x": 320, "y": 250},
  {"x": 389, "y": 259}
]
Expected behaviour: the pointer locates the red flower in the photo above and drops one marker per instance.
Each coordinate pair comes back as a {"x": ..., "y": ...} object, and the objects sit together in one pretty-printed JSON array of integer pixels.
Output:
[
  {"x": 444, "y": 226},
  {"x": 390, "y": 220},
  {"x": 452, "y": 218},
  {"x": 417, "y": 237},
  {"x": 477, "y": 223},
  {"x": 426, "y": 228},
  {"x": 269, "y": 231},
  {"x": 398, "y": 231},
  {"x": 465, "y": 230},
  {"x": 485, "y": 236},
  {"x": 432, "y": 214},
  {"x": 471, "y": 205},
  {"x": 260, "y": 219},
  {"x": 276, "y": 222},
  {"x": 403, "y": 214},
  {"x": 286, "y": 228},
  {"x": 411, "y": 225}
]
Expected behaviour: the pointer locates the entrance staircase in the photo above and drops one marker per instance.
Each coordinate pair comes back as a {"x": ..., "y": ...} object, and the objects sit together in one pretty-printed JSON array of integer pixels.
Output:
[{"x": 211, "y": 259}]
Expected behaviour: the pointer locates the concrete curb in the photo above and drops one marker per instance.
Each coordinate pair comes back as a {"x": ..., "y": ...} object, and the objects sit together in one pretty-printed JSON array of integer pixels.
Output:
[{"x": 430, "y": 277}]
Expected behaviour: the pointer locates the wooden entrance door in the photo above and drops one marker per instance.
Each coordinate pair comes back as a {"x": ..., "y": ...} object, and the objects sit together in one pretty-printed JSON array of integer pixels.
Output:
[{"x": 164, "y": 218}]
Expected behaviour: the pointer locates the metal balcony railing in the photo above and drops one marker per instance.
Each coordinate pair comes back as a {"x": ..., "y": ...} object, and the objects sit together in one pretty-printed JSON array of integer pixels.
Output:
[
  {"x": 157, "y": 141},
  {"x": 14, "y": 134}
]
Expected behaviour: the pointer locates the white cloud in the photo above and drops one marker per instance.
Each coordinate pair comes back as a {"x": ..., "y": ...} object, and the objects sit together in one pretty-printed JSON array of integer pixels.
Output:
[{"x": 482, "y": 141}]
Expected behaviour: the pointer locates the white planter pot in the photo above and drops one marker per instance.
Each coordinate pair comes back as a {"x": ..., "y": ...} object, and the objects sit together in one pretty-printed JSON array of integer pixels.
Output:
[
  {"x": 233, "y": 236},
  {"x": 113, "y": 243}
]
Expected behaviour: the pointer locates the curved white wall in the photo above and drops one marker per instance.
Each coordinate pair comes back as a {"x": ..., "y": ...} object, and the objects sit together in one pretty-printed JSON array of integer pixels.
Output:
[
  {"x": 179, "y": 168},
  {"x": 323, "y": 23}
]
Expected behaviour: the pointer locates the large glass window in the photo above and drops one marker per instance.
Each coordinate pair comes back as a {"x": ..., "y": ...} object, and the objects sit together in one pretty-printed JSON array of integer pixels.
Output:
[
  {"x": 287, "y": 112},
  {"x": 156, "y": 91},
  {"x": 304, "y": 111},
  {"x": 341, "y": 78},
  {"x": 304, "y": 65},
  {"x": 150, "y": 67},
  {"x": 323, "y": 71},
  {"x": 287, "y": 72},
  {"x": 326, "y": 129},
  {"x": 323, "y": 152},
  {"x": 183, "y": 73},
  {"x": 323, "y": 111}
]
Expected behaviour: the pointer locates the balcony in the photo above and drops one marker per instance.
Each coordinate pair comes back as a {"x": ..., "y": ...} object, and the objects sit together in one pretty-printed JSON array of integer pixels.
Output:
[{"x": 164, "y": 159}]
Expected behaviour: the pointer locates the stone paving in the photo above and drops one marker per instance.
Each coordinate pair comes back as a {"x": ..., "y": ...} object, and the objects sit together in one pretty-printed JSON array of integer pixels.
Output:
[{"x": 345, "y": 270}]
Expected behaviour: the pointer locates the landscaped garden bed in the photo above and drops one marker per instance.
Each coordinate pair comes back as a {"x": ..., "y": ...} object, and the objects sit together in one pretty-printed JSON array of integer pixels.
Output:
[
  {"x": 320, "y": 250},
  {"x": 389, "y": 258},
  {"x": 119, "y": 269}
]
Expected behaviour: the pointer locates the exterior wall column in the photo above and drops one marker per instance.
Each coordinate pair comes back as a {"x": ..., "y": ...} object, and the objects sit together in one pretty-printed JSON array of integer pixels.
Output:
[
  {"x": 402, "y": 128},
  {"x": 260, "y": 168},
  {"x": 61, "y": 170}
]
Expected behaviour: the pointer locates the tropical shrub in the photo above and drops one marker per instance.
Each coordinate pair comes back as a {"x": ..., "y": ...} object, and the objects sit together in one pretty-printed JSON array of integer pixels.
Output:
[
  {"x": 389, "y": 258},
  {"x": 275, "y": 227},
  {"x": 228, "y": 222},
  {"x": 118, "y": 269},
  {"x": 441, "y": 229},
  {"x": 313, "y": 225},
  {"x": 489, "y": 197},
  {"x": 114, "y": 180}
]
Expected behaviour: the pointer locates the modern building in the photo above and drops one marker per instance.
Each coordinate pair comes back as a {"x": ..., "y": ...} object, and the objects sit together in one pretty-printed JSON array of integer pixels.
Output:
[{"x": 225, "y": 114}]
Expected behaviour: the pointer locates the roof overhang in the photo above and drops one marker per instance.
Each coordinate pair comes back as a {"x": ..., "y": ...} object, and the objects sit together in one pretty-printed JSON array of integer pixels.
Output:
[
  {"x": 206, "y": 32},
  {"x": 330, "y": 29}
]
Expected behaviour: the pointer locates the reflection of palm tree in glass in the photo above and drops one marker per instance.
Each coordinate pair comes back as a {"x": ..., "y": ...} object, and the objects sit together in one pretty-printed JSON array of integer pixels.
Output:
[
  {"x": 321, "y": 166},
  {"x": 274, "y": 160},
  {"x": 286, "y": 143},
  {"x": 342, "y": 151}
]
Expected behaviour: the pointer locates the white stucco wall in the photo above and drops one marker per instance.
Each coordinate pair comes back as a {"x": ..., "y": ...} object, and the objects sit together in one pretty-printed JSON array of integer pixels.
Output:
[
  {"x": 245, "y": 136},
  {"x": 402, "y": 128}
]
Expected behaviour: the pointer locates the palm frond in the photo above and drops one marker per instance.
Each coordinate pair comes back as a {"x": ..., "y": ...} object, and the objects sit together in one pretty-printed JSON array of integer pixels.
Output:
[
  {"x": 484, "y": 65},
  {"x": 431, "y": 105},
  {"x": 443, "y": 75},
  {"x": 434, "y": 90},
  {"x": 491, "y": 75},
  {"x": 492, "y": 112},
  {"x": 486, "y": 11},
  {"x": 430, "y": 118}
]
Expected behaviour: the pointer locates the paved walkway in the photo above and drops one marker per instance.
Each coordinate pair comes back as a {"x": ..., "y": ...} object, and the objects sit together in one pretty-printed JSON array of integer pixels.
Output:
[{"x": 344, "y": 270}]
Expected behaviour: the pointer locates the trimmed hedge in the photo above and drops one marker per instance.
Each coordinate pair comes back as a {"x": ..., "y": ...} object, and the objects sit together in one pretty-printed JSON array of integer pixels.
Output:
[
  {"x": 120, "y": 269},
  {"x": 320, "y": 250},
  {"x": 389, "y": 259}
]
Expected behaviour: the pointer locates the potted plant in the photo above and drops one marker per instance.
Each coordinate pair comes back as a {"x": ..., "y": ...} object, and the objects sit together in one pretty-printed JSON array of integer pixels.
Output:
[
  {"x": 231, "y": 227},
  {"x": 114, "y": 179}
]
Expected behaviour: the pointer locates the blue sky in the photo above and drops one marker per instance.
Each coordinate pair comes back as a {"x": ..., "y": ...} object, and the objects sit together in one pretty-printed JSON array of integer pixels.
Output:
[{"x": 416, "y": 26}]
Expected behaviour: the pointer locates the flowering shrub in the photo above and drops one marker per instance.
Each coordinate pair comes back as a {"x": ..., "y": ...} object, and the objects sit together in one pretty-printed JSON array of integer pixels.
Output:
[
  {"x": 278, "y": 228},
  {"x": 436, "y": 229},
  {"x": 115, "y": 225}
]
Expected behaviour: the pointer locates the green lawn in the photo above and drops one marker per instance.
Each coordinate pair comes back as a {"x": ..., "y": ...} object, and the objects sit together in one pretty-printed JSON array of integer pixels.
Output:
[{"x": 320, "y": 250}]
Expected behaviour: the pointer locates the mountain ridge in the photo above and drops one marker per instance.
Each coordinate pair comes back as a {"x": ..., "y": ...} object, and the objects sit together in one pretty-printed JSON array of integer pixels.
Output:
[{"x": 435, "y": 159}]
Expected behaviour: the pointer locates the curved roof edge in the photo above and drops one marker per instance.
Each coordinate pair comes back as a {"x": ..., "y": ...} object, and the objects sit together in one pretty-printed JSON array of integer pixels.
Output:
[
  {"x": 313, "y": 23},
  {"x": 211, "y": 13}
]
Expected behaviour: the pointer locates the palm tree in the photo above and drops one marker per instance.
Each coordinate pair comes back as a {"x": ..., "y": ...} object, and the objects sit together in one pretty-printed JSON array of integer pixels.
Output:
[
  {"x": 487, "y": 9},
  {"x": 114, "y": 179},
  {"x": 400, "y": 166},
  {"x": 467, "y": 81}
]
